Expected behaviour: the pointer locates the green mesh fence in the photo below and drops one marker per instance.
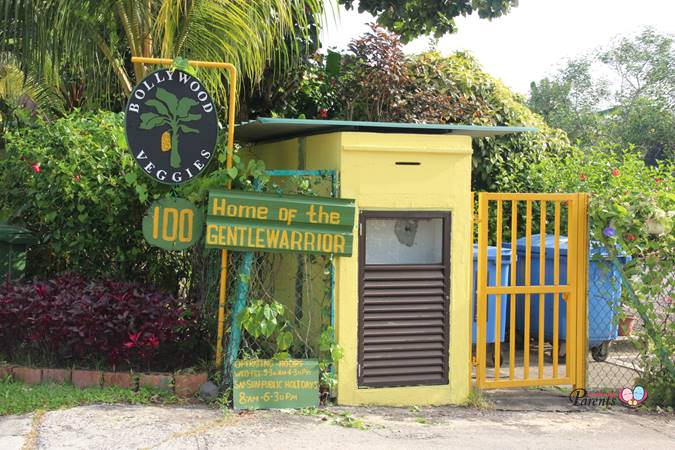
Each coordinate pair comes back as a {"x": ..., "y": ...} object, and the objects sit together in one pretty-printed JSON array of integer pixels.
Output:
[{"x": 290, "y": 298}]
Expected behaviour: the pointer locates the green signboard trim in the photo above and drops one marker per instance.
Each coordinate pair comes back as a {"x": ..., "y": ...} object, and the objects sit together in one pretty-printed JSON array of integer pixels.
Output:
[{"x": 265, "y": 383}]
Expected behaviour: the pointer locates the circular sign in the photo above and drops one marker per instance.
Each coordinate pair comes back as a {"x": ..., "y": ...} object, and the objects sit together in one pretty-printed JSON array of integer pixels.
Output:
[
  {"x": 173, "y": 224},
  {"x": 171, "y": 126}
]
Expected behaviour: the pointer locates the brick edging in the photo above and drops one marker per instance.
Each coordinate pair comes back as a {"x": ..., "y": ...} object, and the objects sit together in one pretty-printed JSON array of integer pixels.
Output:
[{"x": 183, "y": 385}]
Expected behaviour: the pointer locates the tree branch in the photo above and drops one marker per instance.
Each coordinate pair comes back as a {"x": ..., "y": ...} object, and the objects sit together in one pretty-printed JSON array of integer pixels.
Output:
[{"x": 119, "y": 70}]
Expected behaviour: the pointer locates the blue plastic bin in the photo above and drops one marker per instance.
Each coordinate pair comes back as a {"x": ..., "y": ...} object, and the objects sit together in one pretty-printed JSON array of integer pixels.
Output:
[
  {"x": 492, "y": 303},
  {"x": 604, "y": 291}
]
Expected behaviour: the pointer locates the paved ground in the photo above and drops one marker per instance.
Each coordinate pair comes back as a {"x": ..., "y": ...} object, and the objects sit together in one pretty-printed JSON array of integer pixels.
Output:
[
  {"x": 619, "y": 370},
  {"x": 151, "y": 427}
]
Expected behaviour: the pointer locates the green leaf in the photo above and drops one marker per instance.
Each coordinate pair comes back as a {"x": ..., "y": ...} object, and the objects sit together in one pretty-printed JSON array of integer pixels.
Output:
[
  {"x": 181, "y": 63},
  {"x": 121, "y": 139},
  {"x": 130, "y": 177},
  {"x": 168, "y": 98},
  {"x": 232, "y": 172},
  {"x": 281, "y": 355},
  {"x": 186, "y": 129},
  {"x": 284, "y": 340},
  {"x": 191, "y": 118},
  {"x": 184, "y": 106},
  {"x": 263, "y": 327},
  {"x": 159, "y": 106},
  {"x": 333, "y": 62},
  {"x": 151, "y": 120}
]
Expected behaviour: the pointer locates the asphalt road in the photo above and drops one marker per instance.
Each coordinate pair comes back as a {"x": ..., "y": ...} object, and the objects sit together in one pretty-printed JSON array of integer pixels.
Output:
[{"x": 153, "y": 427}]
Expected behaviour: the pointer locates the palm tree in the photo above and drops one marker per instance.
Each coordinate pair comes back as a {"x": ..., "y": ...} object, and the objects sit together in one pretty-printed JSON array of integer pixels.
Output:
[
  {"x": 21, "y": 94},
  {"x": 104, "y": 34}
]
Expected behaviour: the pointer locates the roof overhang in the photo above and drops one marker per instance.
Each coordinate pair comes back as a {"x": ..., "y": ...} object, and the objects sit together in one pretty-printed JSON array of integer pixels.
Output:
[{"x": 265, "y": 129}]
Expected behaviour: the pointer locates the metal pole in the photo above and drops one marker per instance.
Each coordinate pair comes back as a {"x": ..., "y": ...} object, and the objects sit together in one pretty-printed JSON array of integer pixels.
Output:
[{"x": 232, "y": 72}]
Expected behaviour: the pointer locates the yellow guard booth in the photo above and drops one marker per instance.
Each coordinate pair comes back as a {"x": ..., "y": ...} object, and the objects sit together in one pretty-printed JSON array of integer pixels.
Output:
[{"x": 402, "y": 300}]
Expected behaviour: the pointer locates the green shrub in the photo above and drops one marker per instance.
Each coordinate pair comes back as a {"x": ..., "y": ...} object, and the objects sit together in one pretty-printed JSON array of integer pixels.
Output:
[
  {"x": 631, "y": 211},
  {"x": 73, "y": 184},
  {"x": 474, "y": 97},
  {"x": 375, "y": 81}
]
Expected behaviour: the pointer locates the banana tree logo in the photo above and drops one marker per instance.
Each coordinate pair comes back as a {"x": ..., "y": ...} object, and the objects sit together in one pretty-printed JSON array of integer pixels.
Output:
[{"x": 171, "y": 126}]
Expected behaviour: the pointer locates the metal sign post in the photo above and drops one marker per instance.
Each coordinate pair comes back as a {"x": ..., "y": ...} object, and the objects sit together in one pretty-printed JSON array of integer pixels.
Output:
[{"x": 232, "y": 72}]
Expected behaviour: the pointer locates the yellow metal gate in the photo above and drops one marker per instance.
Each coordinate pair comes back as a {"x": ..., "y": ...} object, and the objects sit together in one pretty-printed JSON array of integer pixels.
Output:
[{"x": 529, "y": 308}]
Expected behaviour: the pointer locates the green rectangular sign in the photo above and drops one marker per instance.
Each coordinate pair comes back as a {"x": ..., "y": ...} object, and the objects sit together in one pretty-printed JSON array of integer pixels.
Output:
[
  {"x": 267, "y": 383},
  {"x": 280, "y": 223}
]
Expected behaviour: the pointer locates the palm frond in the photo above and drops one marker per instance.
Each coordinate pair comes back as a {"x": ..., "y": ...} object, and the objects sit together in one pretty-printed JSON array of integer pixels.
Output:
[
  {"x": 20, "y": 90},
  {"x": 96, "y": 38}
]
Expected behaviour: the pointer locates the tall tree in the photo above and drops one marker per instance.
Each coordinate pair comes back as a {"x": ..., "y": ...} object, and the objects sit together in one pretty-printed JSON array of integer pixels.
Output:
[
  {"x": 571, "y": 100},
  {"x": 622, "y": 95},
  {"x": 102, "y": 35},
  {"x": 645, "y": 66},
  {"x": 413, "y": 18}
]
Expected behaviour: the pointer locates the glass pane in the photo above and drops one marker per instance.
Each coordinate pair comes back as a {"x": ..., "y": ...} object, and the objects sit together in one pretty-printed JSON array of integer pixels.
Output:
[{"x": 404, "y": 241}]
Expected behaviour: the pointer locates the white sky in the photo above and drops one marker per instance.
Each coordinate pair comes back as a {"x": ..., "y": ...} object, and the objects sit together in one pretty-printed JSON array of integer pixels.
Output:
[{"x": 535, "y": 38}]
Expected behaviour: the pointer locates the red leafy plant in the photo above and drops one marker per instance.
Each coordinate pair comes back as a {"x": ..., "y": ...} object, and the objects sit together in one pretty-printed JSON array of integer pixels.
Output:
[{"x": 75, "y": 320}]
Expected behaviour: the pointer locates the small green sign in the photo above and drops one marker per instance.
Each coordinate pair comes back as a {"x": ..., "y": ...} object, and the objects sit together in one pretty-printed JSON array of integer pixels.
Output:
[
  {"x": 267, "y": 383},
  {"x": 280, "y": 223},
  {"x": 173, "y": 224}
]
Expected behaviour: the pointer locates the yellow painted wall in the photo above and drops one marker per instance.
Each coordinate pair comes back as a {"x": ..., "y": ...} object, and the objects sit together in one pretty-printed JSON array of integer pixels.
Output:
[
  {"x": 441, "y": 182},
  {"x": 322, "y": 152},
  {"x": 368, "y": 173}
]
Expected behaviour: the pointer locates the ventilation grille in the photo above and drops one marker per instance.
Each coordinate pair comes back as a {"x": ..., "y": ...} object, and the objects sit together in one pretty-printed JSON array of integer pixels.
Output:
[{"x": 404, "y": 326}]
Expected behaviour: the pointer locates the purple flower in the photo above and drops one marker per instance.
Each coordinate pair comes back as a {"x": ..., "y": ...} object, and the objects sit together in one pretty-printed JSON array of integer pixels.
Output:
[{"x": 609, "y": 232}]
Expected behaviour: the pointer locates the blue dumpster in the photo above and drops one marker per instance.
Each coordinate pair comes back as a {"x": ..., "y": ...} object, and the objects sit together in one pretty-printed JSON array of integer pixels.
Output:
[
  {"x": 492, "y": 278},
  {"x": 604, "y": 292}
]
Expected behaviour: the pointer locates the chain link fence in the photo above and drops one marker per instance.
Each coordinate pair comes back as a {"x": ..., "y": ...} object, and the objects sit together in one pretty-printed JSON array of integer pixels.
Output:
[
  {"x": 613, "y": 358},
  {"x": 616, "y": 357},
  {"x": 289, "y": 304}
]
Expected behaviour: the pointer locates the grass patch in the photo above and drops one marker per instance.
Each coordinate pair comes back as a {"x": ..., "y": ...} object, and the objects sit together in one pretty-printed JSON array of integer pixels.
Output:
[
  {"x": 477, "y": 400},
  {"x": 343, "y": 419},
  {"x": 19, "y": 398}
]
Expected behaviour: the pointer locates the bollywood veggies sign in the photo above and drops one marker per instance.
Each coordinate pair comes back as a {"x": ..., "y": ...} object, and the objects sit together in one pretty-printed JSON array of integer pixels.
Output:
[
  {"x": 279, "y": 223},
  {"x": 171, "y": 126}
]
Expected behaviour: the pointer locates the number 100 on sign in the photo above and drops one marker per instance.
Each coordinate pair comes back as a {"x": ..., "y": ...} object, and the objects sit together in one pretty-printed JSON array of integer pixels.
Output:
[{"x": 173, "y": 224}]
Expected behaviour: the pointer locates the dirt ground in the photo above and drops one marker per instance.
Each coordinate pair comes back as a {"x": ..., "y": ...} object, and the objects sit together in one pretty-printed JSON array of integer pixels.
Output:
[{"x": 154, "y": 427}]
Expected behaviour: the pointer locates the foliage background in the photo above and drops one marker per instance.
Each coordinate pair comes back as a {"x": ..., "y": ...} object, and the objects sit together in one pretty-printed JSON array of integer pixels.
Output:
[
  {"x": 632, "y": 212},
  {"x": 73, "y": 184},
  {"x": 375, "y": 81},
  {"x": 622, "y": 95}
]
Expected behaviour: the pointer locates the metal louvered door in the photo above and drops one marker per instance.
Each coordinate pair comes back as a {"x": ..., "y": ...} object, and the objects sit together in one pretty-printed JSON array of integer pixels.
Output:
[{"x": 404, "y": 277}]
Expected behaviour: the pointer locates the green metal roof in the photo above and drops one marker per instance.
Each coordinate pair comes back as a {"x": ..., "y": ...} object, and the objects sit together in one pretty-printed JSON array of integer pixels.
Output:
[{"x": 275, "y": 129}]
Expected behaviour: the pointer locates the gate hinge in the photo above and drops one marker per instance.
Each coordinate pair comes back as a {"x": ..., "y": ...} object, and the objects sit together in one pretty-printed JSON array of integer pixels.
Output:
[{"x": 358, "y": 369}]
